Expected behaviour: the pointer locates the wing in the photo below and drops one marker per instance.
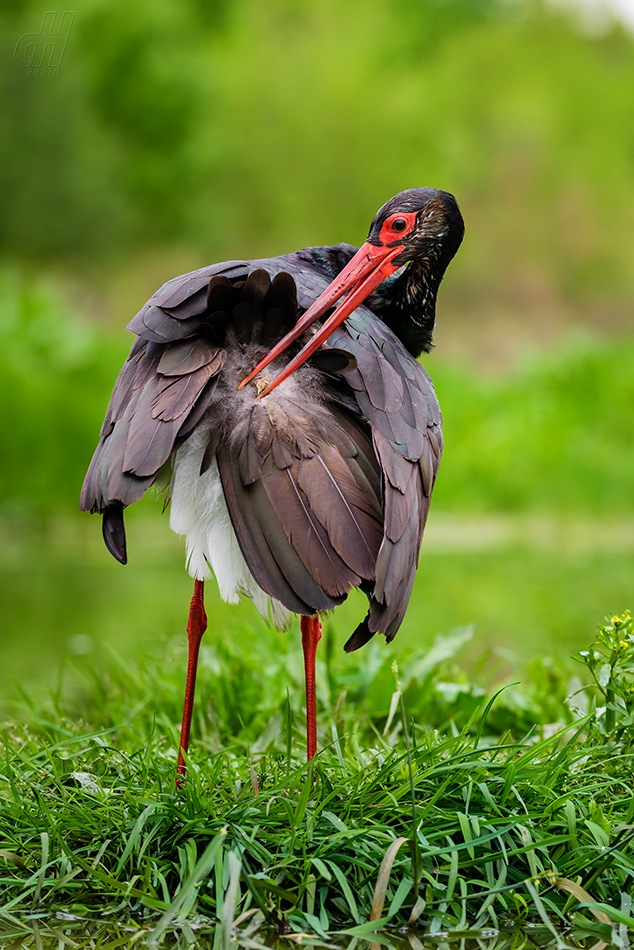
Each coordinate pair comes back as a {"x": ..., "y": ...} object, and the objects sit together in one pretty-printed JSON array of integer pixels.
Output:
[
  {"x": 167, "y": 383},
  {"x": 161, "y": 393},
  {"x": 155, "y": 406},
  {"x": 304, "y": 501},
  {"x": 176, "y": 309},
  {"x": 397, "y": 397}
]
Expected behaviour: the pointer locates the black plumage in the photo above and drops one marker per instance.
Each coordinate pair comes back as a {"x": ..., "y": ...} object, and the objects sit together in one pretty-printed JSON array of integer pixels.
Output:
[{"x": 327, "y": 481}]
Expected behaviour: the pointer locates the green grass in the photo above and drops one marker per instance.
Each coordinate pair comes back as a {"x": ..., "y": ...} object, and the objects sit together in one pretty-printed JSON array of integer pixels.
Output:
[{"x": 432, "y": 804}]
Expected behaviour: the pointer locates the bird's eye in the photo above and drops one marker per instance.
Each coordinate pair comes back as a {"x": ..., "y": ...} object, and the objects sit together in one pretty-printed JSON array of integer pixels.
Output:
[{"x": 399, "y": 224}]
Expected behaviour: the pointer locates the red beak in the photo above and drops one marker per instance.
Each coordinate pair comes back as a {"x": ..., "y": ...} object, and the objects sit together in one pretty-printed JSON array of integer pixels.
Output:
[{"x": 368, "y": 268}]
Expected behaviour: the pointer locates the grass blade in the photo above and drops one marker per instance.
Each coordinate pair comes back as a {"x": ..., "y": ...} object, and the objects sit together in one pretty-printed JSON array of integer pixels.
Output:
[{"x": 384, "y": 877}]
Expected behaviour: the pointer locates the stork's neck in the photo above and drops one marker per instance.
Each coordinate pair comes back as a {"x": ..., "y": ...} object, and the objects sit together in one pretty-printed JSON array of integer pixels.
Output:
[{"x": 406, "y": 302}]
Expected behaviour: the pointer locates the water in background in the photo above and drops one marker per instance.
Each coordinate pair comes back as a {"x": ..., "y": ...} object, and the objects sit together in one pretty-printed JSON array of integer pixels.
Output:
[{"x": 532, "y": 588}]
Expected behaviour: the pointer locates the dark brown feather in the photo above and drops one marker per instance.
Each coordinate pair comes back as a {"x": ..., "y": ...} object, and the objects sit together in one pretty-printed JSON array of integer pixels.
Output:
[
  {"x": 280, "y": 452},
  {"x": 434, "y": 434},
  {"x": 306, "y": 535},
  {"x": 360, "y": 637},
  {"x": 252, "y": 542},
  {"x": 149, "y": 440},
  {"x": 157, "y": 325},
  {"x": 428, "y": 466},
  {"x": 114, "y": 532},
  {"x": 340, "y": 506},
  {"x": 383, "y": 384},
  {"x": 201, "y": 407},
  {"x": 220, "y": 295},
  {"x": 332, "y": 361},
  {"x": 395, "y": 466},
  {"x": 146, "y": 367},
  {"x": 215, "y": 437},
  {"x": 191, "y": 306},
  {"x": 249, "y": 463},
  {"x": 280, "y": 309},
  {"x": 286, "y": 557},
  {"x": 175, "y": 397},
  {"x": 186, "y": 357}
]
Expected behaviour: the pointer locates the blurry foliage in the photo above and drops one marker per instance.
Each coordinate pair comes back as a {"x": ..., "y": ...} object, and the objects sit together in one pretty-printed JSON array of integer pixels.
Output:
[
  {"x": 238, "y": 129},
  {"x": 56, "y": 374},
  {"x": 610, "y": 660},
  {"x": 557, "y": 436},
  {"x": 249, "y": 128}
]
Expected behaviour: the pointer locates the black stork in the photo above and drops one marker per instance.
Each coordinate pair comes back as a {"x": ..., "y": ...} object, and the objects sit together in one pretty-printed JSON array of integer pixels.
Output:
[{"x": 297, "y": 469}]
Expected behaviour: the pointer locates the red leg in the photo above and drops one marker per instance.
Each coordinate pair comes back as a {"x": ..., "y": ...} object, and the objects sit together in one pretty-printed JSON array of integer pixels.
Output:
[
  {"x": 311, "y": 635},
  {"x": 196, "y": 626}
]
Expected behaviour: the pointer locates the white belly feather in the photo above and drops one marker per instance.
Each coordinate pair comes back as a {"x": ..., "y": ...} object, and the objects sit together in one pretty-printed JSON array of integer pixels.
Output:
[{"x": 199, "y": 512}]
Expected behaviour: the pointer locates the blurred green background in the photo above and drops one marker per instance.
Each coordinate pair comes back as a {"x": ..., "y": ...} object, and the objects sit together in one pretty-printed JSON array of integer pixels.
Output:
[{"x": 172, "y": 134}]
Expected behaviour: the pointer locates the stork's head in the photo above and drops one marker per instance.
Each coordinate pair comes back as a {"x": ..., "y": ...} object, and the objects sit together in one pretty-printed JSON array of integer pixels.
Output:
[{"x": 422, "y": 225}]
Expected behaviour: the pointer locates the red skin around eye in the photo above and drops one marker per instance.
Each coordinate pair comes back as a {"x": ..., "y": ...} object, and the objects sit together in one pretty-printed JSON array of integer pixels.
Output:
[{"x": 388, "y": 236}]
